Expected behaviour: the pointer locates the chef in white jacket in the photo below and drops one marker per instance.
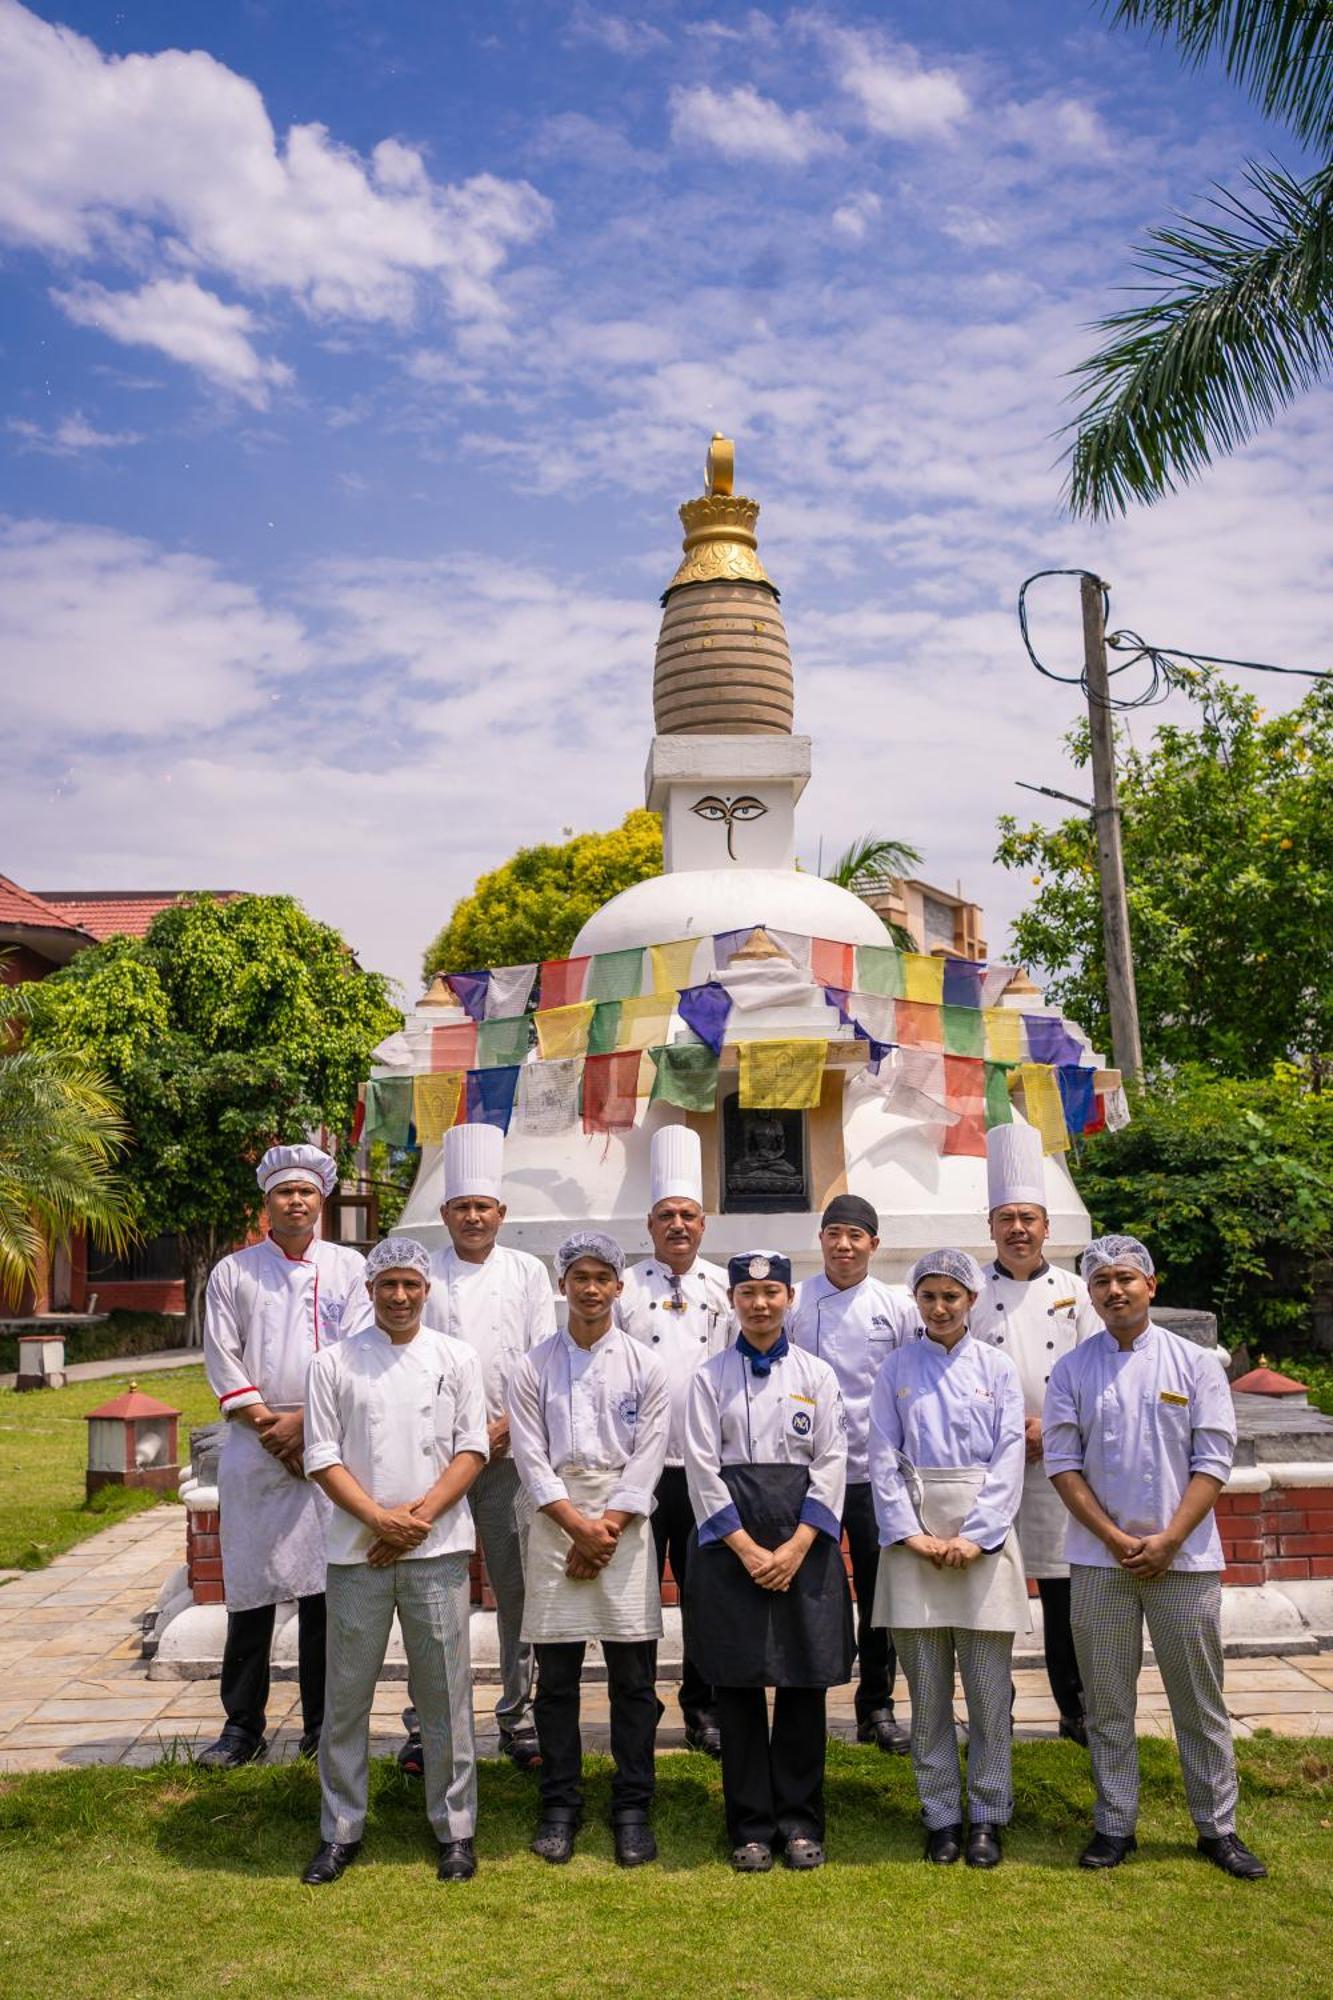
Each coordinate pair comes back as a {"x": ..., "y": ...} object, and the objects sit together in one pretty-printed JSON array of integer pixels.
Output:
[
  {"x": 269, "y": 1309},
  {"x": 498, "y": 1301},
  {"x": 1034, "y": 1312},
  {"x": 675, "y": 1303}
]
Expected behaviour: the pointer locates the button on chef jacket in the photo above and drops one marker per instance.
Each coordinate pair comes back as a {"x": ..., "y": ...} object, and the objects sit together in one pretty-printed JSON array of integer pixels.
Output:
[
  {"x": 853, "y": 1330},
  {"x": 267, "y": 1314},
  {"x": 500, "y": 1307},
  {"x": 394, "y": 1417},
  {"x": 606, "y": 1408},
  {"x": 1137, "y": 1425},
  {"x": 792, "y": 1416},
  {"x": 948, "y": 1407},
  {"x": 681, "y": 1341}
]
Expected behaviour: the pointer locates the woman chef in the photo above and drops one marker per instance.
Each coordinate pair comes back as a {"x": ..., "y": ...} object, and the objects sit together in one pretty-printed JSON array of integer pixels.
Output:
[
  {"x": 946, "y": 1463},
  {"x": 766, "y": 1598}
]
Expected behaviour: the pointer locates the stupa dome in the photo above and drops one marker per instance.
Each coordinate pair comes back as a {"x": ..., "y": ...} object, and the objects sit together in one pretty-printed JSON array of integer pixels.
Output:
[{"x": 697, "y": 902}]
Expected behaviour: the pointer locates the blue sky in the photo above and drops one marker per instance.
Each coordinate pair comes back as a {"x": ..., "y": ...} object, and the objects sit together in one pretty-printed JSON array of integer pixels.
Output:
[{"x": 357, "y": 357}]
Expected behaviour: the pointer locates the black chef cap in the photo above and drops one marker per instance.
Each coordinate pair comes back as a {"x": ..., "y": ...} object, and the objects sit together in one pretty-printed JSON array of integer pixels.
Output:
[{"x": 853, "y": 1211}]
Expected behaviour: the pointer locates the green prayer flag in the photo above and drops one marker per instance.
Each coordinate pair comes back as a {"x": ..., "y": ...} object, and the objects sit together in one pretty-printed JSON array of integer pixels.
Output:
[
  {"x": 502, "y": 1043},
  {"x": 999, "y": 1108},
  {"x": 879, "y": 969},
  {"x": 964, "y": 1031},
  {"x": 686, "y": 1076},
  {"x": 615, "y": 975},
  {"x": 605, "y": 1027},
  {"x": 388, "y": 1110}
]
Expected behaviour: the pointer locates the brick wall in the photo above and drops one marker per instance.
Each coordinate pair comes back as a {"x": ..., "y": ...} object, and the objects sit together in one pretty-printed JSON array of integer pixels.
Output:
[
  {"x": 203, "y": 1554},
  {"x": 1283, "y": 1535}
]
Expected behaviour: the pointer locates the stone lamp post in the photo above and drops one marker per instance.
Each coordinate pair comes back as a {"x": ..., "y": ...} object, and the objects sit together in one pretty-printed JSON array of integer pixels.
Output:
[{"x": 132, "y": 1442}]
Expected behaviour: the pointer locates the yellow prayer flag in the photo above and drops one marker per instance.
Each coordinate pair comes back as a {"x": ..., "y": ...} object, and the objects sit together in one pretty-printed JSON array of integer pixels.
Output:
[
  {"x": 435, "y": 1102},
  {"x": 1044, "y": 1107},
  {"x": 781, "y": 1076},
  {"x": 563, "y": 1031},
  {"x": 672, "y": 964},
  {"x": 643, "y": 1022},
  {"x": 647, "y": 1074},
  {"x": 1004, "y": 1035},
  {"x": 923, "y": 977}
]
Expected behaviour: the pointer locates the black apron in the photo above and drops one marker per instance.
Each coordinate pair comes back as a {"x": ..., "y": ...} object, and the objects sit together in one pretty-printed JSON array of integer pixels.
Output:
[{"x": 740, "y": 1635}]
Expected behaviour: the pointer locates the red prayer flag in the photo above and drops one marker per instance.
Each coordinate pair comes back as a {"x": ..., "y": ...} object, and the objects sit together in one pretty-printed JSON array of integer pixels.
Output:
[
  {"x": 563, "y": 981},
  {"x": 918, "y": 1024},
  {"x": 832, "y": 964},
  {"x": 611, "y": 1090},
  {"x": 965, "y": 1090},
  {"x": 454, "y": 1047}
]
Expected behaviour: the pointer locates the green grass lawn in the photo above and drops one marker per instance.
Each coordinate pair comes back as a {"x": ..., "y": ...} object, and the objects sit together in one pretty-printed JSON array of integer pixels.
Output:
[
  {"x": 44, "y": 1455},
  {"x": 179, "y": 1882}
]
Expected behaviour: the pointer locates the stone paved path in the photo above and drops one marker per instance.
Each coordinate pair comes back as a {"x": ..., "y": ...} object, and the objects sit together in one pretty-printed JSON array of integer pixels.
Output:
[{"x": 74, "y": 1689}]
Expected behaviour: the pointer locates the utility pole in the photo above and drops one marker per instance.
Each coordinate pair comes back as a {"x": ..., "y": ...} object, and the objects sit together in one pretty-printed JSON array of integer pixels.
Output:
[{"x": 1126, "y": 1048}]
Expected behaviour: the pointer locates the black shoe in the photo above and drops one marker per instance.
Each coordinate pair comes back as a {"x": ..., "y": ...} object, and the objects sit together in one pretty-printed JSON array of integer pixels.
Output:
[
  {"x": 554, "y": 1839},
  {"x": 983, "y": 1847},
  {"x": 1229, "y": 1853},
  {"x": 753, "y": 1858},
  {"x": 884, "y": 1730},
  {"x": 332, "y": 1857},
  {"x": 522, "y": 1749},
  {"x": 944, "y": 1844},
  {"x": 1075, "y": 1727},
  {"x": 702, "y": 1733},
  {"x": 231, "y": 1750},
  {"x": 309, "y": 1745},
  {"x": 458, "y": 1862},
  {"x": 634, "y": 1842},
  {"x": 412, "y": 1758},
  {"x": 1107, "y": 1850},
  {"x": 801, "y": 1850}
]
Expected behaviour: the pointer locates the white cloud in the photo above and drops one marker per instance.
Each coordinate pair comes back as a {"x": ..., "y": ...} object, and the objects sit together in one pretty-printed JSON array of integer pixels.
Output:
[
  {"x": 182, "y": 320},
  {"x": 616, "y": 32},
  {"x": 742, "y": 125},
  {"x": 896, "y": 93},
  {"x": 852, "y": 218},
  {"x": 70, "y": 436},
  {"x": 165, "y": 160}
]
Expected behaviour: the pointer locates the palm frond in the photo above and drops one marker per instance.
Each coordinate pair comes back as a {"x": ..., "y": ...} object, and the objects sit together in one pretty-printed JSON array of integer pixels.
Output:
[
  {"x": 1279, "y": 51},
  {"x": 1243, "y": 326},
  {"x": 61, "y": 1133},
  {"x": 872, "y": 858}
]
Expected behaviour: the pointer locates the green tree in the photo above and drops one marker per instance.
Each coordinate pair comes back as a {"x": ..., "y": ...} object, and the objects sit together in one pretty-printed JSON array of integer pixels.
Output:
[
  {"x": 61, "y": 1136},
  {"x": 1241, "y": 318},
  {"x": 228, "y": 1027},
  {"x": 871, "y": 862},
  {"x": 534, "y": 906},
  {"x": 1228, "y": 832}
]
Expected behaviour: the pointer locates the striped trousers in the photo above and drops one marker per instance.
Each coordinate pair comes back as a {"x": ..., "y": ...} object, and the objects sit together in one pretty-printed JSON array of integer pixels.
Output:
[
  {"x": 926, "y": 1655},
  {"x": 1183, "y": 1612},
  {"x": 431, "y": 1596}
]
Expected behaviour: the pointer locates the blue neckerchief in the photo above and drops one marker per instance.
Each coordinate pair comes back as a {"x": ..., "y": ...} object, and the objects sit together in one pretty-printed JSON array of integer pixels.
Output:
[{"x": 760, "y": 1363}]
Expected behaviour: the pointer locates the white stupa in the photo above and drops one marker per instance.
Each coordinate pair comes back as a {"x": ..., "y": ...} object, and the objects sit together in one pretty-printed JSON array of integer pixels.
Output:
[{"x": 726, "y": 774}]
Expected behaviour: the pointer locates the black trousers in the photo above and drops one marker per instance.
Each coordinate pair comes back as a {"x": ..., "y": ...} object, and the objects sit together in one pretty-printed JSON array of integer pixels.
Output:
[
  {"x": 245, "y": 1666},
  {"x": 772, "y": 1782},
  {"x": 876, "y": 1661},
  {"x": 631, "y": 1671},
  {"x": 673, "y": 1520},
  {"x": 1061, "y": 1660}
]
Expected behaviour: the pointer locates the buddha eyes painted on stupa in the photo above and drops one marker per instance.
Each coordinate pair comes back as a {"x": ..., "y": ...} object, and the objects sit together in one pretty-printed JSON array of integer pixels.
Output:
[{"x": 725, "y": 812}]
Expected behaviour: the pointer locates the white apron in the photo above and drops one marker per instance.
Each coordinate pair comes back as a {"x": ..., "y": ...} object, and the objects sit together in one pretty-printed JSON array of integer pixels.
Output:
[
  {"x": 621, "y": 1603},
  {"x": 273, "y": 1526},
  {"x": 990, "y": 1595}
]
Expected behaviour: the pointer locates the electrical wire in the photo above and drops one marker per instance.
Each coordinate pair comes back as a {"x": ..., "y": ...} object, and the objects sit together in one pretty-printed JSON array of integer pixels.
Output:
[{"x": 1164, "y": 662}]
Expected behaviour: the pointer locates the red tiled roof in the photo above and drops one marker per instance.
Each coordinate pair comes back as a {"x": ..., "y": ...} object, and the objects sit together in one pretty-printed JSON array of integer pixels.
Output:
[
  {"x": 21, "y": 907},
  {"x": 106, "y": 913}
]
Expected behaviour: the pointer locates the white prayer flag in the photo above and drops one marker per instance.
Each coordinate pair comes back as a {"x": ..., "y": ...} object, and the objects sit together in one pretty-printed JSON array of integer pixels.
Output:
[
  {"x": 509, "y": 991},
  {"x": 547, "y": 1103}
]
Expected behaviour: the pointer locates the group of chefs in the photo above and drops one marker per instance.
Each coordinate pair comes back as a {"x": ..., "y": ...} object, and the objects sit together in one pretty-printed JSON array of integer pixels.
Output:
[{"x": 961, "y": 1434}]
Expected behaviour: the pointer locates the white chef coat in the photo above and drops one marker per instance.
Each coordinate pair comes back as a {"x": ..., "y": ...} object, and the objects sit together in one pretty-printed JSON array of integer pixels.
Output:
[
  {"x": 941, "y": 1407},
  {"x": 792, "y": 1416},
  {"x": 1034, "y": 1321},
  {"x": 853, "y": 1330},
  {"x": 394, "y": 1417},
  {"x": 1138, "y": 1425},
  {"x": 606, "y": 1408},
  {"x": 501, "y": 1308},
  {"x": 681, "y": 1341}
]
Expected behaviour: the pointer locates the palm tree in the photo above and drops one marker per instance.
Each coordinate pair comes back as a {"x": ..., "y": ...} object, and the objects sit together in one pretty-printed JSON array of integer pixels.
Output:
[
  {"x": 60, "y": 1134},
  {"x": 1241, "y": 321},
  {"x": 872, "y": 862}
]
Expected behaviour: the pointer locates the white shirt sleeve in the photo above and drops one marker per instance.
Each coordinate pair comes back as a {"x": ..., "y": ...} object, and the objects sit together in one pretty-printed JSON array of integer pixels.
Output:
[
  {"x": 224, "y": 1343},
  {"x": 1061, "y": 1432},
  {"x": 540, "y": 1305},
  {"x": 822, "y": 1506},
  {"x": 470, "y": 1430},
  {"x": 1212, "y": 1423},
  {"x": 633, "y": 1494},
  {"x": 996, "y": 1500},
  {"x": 527, "y": 1437},
  {"x": 714, "y": 1509},
  {"x": 323, "y": 1426},
  {"x": 894, "y": 1512}
]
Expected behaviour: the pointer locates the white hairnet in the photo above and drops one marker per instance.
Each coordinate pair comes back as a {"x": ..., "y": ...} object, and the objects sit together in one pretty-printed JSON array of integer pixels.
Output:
[
  {"x": 589, "y": 1243},
  {"x": 398, "y": 1253},
  {"x": 1107, "y": 1250},
  {"x": 955, "y": 1264}
]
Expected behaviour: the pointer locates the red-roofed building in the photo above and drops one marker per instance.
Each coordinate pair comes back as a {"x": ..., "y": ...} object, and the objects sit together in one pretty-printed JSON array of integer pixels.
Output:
[
  {"x": 106, "y": 913},
  {"x": 35, "y": 937}
]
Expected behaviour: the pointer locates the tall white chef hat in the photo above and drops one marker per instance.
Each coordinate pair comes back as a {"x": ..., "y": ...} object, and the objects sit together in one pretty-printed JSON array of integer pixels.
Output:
[
  {"x": 1015, "y": 1170},
  {"x": 281, "y": 1164},
  {"x": 473, "y": 1161},
  {"x": 677, "y": 1165}
]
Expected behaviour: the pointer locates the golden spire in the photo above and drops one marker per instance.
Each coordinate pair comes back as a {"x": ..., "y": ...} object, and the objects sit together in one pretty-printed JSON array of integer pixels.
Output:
[{"x": 720, "y": 541}]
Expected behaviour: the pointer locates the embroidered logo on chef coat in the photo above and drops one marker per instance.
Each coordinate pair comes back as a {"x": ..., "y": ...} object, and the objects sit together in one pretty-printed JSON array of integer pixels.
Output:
[
  {"x": 627, "y": 1409},
  {"x": 880, "y": 1323},
  {"x": 802, "y": 1423},
  {"x": 331, "y": 1315}
]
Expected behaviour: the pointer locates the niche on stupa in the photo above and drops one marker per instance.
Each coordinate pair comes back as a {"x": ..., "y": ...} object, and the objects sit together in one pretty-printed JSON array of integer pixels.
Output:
[{"x": 765, "y": 1161}]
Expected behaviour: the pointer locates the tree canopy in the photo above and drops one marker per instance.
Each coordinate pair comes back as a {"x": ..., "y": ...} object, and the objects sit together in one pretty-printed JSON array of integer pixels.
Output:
[
  {"x": 1228, "y": 837},
  {"x": 534, "y": 905},
  {"x": 227, "y": 1028}
]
